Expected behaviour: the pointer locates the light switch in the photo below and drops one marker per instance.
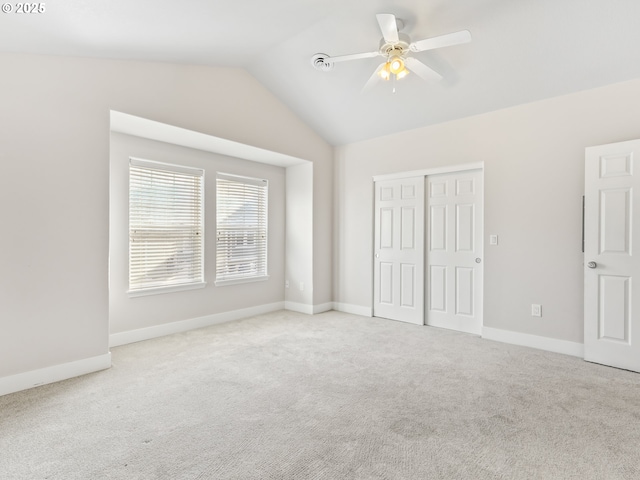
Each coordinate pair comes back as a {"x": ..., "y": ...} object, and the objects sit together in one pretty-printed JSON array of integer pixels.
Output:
[{"x": 493, "y": 239}]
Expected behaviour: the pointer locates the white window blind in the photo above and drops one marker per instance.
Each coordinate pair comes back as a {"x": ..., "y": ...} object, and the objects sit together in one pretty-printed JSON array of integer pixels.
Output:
[
  {"x": 241, "y": 247},
  {"x": 166, "y": 228}
]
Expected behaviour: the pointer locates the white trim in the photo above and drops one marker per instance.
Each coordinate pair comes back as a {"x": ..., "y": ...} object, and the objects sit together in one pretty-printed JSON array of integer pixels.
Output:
[
  {"x": 534, "y": 341},
  {"x": 353, "y": 309},
  {"x": 131, "y": 336},
  {"x": 430, "y": 171},
  {"x": 167, "y": 167},
  {"x": 459, "y": 327},
  {"x": 322, "y": 307},
  {"x": 238, "y": 281},
  {"x": 308, "y": 309},
  {"x": 55, "y": 373},
  {"x": 260, "y": 182},
  {"x": 299, "y": 307},
  {"x": 166, "y": 289}
]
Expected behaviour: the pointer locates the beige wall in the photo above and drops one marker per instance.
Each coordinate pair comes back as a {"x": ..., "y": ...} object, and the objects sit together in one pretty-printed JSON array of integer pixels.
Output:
[
  {"x": 534, "y": 181},
  {"x": 54, "y": 151}
]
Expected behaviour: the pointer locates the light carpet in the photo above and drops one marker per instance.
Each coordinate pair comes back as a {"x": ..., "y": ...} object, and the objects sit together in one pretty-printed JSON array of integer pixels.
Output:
[{"x": 331, "y": 396}]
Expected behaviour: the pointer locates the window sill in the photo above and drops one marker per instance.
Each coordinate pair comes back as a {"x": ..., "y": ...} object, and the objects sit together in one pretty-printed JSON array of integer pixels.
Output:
[
  {"x": 237, "y": 281},
  {"x": 168, "y": 289}
]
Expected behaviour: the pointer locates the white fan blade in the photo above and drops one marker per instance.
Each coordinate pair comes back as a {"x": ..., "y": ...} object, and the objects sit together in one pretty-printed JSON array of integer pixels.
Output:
[
  {"x": 353, "y": 56},
  {"x": 388, "y": 26},
  {"x": 420, "y": 69},
  {"x": 463, "y": 36},
  {"x": 375, "y": 78}
]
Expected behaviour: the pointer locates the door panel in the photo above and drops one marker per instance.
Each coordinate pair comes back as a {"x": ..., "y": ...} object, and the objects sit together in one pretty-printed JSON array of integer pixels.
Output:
[
  {"x": 438, "y": 227},
  {"x": 408, "y": 232},
  {"x": 399, "y": 253},
  {"x": 464, "y": 291},
  {"x": 386, "y": 228},
  {"x": 616, "y": 221},
  {"x": 438, "y": 288},
  {"x": 386, "y": 283},
  {"x": 408, "y": 285},
  {"x": 454, "y": 289},
  {"x": 614, "y": 308},
  {"x": 612, "y": 210},
  {"x": 464, "y": 228}
]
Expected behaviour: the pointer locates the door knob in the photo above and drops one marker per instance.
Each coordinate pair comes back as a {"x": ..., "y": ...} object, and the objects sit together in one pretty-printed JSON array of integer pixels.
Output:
[
  {"x": 377, "y": 255},
  {"x": 592, "y": 264},
  {"x": 478, "y": 260}
]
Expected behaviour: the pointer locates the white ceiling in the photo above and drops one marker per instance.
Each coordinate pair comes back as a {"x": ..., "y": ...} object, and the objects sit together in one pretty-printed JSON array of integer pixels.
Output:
[{"x": 522, "y": 50}]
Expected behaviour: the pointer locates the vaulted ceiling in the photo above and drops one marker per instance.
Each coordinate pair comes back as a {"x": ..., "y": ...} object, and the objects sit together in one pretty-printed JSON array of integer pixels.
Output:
[{"x": 522, "y": 50}]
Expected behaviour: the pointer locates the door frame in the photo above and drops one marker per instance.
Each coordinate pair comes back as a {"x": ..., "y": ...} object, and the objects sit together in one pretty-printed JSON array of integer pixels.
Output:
[{"x": 463, "y": 167}]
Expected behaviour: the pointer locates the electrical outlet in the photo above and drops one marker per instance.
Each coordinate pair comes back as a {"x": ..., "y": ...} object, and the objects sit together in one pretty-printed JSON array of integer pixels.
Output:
[
  {"x": 536, "y": 310},
  {"x": 286, "y": 284},
  {"x": 301, "y": 286}
]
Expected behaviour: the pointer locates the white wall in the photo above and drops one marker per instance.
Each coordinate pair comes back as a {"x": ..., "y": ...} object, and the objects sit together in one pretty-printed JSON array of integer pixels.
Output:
[
  {"x": 323, "y": 225},
  {"x": 126, "y": 313},
  {"x": 534, "y": 180},
  {"x": 299, "y": 234},
  {"x": 54, "y": 151}
]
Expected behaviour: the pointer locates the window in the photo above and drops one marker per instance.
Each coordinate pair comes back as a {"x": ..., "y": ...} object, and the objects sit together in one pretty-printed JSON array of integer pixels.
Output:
[
  {"x": 241, "y": 247},
  {"x": 166, "y": 244}
]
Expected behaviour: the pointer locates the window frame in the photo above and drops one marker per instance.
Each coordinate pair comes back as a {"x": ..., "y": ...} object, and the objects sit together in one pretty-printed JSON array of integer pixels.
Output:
[{"x": 198, "y": 282}]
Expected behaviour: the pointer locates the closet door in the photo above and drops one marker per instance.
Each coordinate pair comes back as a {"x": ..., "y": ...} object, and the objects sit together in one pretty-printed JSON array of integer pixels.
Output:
[
  {"x": 399, "y": 250},
  {"x": 454, "y": 251}
]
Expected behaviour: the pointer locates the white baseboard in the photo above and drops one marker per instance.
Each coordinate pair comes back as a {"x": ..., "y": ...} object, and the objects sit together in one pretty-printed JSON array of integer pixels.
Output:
[
  {"x": 534, "y": 341},
  {"x": 299, "y": 307},
  {"x": 123, "y": 338},
  {"x": 322, "y": 307},
  {"x": 55, "y": 373},
  {"x": 354, "y": 309},
  {"x": 308, "y": 309}
]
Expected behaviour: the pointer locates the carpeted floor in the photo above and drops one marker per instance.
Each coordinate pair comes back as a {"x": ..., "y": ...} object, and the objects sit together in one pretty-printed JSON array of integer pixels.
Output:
[{"x": 333, "y": 396}]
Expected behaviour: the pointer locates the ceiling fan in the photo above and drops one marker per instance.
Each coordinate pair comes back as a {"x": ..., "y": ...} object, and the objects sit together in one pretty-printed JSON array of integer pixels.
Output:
[{"x": 396, "y": 47}]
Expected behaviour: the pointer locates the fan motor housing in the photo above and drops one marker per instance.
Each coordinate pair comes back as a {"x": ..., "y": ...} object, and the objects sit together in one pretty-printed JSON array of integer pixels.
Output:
[{"x": 395, "y": 48}]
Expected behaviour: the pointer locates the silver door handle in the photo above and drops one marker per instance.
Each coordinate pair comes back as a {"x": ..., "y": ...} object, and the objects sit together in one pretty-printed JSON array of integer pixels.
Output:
[
  {"x": 478, "y": 260},
  {"x": 592, "y": 264},
  {"x": 377, "y": 255}
]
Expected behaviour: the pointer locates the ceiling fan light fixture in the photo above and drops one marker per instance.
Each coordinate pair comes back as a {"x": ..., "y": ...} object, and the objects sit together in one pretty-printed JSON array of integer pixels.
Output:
[
  {"x": 396, "y": 64},
  {"x": 385, "y": 72},
  {"x": 402, "y": 73}
]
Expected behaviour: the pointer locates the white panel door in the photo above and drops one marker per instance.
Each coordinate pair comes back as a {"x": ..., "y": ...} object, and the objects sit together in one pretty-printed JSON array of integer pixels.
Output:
[
  {"x": 454, "y": 251},
  {"x": 399, "y": 250},
  {"x": 612, "y": 210}
]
